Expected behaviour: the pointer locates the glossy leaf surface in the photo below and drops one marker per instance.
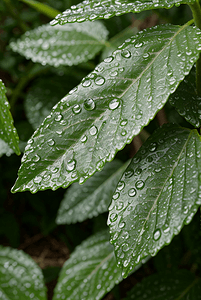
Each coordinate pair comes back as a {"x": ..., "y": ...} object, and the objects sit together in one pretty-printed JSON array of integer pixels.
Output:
[
  {"x": 8, "y": 132},
  {"x": 180, "y": 285},
  {"x": 160, "y": 192},
  {"x": 62, "y": 45},
  {"x": 110, "y": 106},
  {"x": 20, "y": 277},
  {"x": 42, "y": 8},
  {"x": 93, "y": 197},
  {"x": 186, "y": 101},
  {"x": 95, "y": 9},
  {"x": 90, "y": 272}
]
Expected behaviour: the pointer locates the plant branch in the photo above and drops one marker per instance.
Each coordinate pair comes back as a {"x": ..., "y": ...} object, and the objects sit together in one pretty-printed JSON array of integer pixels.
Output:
[{"x": 196, "y": 11}]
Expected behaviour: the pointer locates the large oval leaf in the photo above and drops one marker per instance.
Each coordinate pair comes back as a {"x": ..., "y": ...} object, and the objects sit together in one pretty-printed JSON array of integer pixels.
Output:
[
  {"x": 179, "y": 285},
  {"x": 8, "y": 133},
  {"x": 92, "y": 198},
  {"x": 20, "y": 277},
  {"x": 108, "y": 108},
  {"x": 159, "y": 192},
  {"x": 62, "y": 45},
  {"x": 96, "y": 9},
  {"x": 186, "y": 100},
  {"x": 90, "y": 272}
]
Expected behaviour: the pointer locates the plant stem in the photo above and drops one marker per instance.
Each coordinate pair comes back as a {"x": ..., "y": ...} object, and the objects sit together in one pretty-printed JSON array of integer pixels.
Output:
[
  {"x": 15, "y": 15},
  {"x": 196, "y": 11}
]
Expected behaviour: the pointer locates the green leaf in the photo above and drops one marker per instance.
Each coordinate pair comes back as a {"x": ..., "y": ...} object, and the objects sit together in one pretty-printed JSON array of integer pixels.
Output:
[
  {"x": 95, "y": 9},
  {"x": 90, "y": 272},
  {"x": 42, "y": 96},
  {"x": 180, "y": 285},
  {"x": 20, "y": 277},
  {"x": 67, "y": 45},
  {"x": 108, "y": 108},
  {"x": 8, "y": 132},
  {"x": 186, "y": 101},
  {"x": 92, "y": 198},
  {"x": 42, "y": 8},
  {"x": 161, "y": 192},
  {"x": 5, "y": 149},
  {"x": 117, "y": 40}
]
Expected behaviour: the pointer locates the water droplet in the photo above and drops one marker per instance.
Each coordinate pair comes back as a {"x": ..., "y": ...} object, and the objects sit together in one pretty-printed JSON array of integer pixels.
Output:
[
  {"x": 120, "y": 185},
  {"x": 132, "y": 192},
  {"x": 99, "y": 80},
  {"x": 123, "y": 122},
  {"x": 114, "y": 103},
  {"x": 129, "y": 173},
  {"x": 138, "y": 171},
  {"x": 109, "y": 59},
  {"x": 86, "y": 82},
  {"x": 51, "y": 142},
  {"x": 58, "y": 117},
  {"x": 152, "y": 147},
  {"x": 124, "y": 132},
  {"x": 149, "y": 159},
  {"x": 116, "y": 196},
  {"x": 76, "y": 109},
  {"x": 93, "y": 130},
  {"x": 113, "y": 217},
  {"x": 84, "y": 139},
  {"x": 37, "y": 179},
  {"x": 89, "y": 104},
  {"x": 139, "y": 184},
  {"x": 120, "y": 205},
  {"x": 126, "y": 53},
  {"x": 122, "y": 225},
  {"x": 125, "y": 247},
  {"x": 157, "y": 234},
  {"x": 36, "y": 158},
  {"x": 71, "y": 164}
]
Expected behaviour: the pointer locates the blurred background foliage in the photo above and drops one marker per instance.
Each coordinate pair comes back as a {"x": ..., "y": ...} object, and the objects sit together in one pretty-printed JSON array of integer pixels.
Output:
[{"x": 28, "y": 221}]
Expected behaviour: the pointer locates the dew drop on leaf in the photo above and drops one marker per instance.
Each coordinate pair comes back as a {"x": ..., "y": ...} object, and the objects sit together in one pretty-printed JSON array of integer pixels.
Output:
[
  {"x": 116, "y": 196},
  {"x": 76, "y": 109},
  {"x": 139, "y": 184},
  {"x": 86, "y": 82},
  {"x": 58, "y": 118},
  {"x": 122, "y": 225},
  {"x": 89, "y": 104},
  {"x": 129, "y": 173},
  {"x": 113, "y": 217},
  {"x": 126, "y": 53},
  {"x": 51, "y": 142},
  {"x": 132, "y": 192},
  {"x": 99, "y": 80},
  {"x": 70, "y": 166},
  {"x": 123, "y": 122},
  {"x": 157, "y": 234},
  {"x": 120, "y": 185},
  {"x": 114, "y": 103},
  {"x": 36, "y": 158},
  {"x": 125, "y": 247},
  {"x": 84, "y": 139},
  {"x": 93, "y": 130}
]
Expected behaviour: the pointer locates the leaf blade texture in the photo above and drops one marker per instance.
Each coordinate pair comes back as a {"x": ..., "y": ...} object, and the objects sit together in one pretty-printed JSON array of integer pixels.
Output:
[
  {"x": 178, "y": 285},
  {"x": 56, "y": 46},
  {"x": 90, "y": 272},
  {"x": 95, "y": 9},
  {"x": 186, "y": 100},
  {"x": 92, "y": 198},
  {"x": 161, "y": 193},
  {"x": 20, "y": 277},
  {"x": 8, "y": 132},
  {"x": 119, "y": 97}
]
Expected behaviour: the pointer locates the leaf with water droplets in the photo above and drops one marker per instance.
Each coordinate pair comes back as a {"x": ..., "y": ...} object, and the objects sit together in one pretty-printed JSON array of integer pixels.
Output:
[
  {"x": 92, "y": 198},
  {"x": 101, "y": 9},
  {"x": 178, "y": 285},
  {"x": 5, "y": 149},
  {"x": 42, "y": 8},
  {"x": 90, "y": 272},
  {"x": 20, "y": 277},
  {"x": 43, "y": 95},
  {"x": 162, "y": 193},
  {"x": 62, "y": 45},
  {"x": 8, "y": 132},
  {"x": 186, "y": 100},
  {"x": 110, "y": 106}
]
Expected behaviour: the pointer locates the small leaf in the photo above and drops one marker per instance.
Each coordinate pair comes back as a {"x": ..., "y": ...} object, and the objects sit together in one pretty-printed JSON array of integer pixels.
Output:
[
  {"x": 67, "y": 45},
  {"x": 42, "y": 96},
  {"x": 90, "y": 272},
  {"x": 186, "y": 101},
  {"x": 20, "y": 277},
  {"x": 42, "y": 8},
  {"x": 101, "y": 9},
  {"x": 180, "y": 285},
  {"x": 92, "y": 198},
  {"x": 162, "y": 193},
  {"x": 8, "y": 132},
  {"x": 110, "y": 106}
]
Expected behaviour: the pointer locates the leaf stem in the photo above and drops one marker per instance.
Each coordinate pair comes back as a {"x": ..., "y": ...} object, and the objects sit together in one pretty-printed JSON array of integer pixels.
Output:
[
  {"x": 16, "y": 15},
  {"x": 196, "y": 11}
]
